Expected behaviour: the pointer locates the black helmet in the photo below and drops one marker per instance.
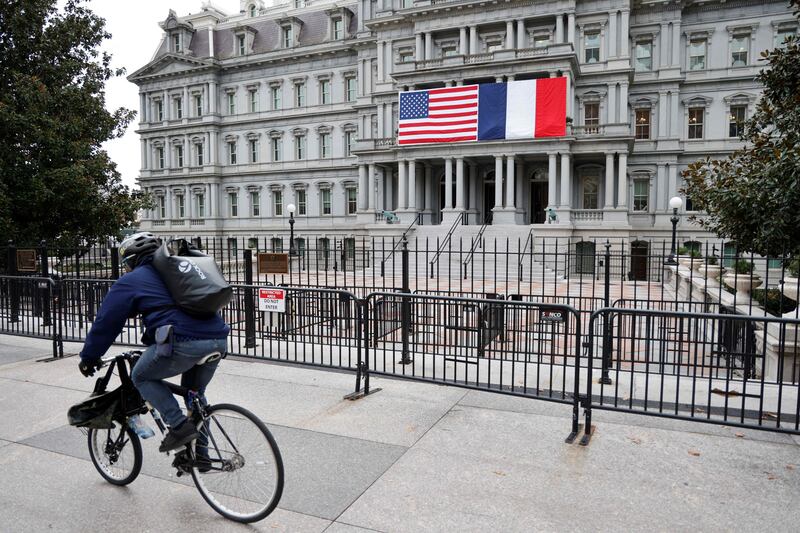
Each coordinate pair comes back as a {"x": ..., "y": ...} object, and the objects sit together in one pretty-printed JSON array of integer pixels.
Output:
[
  {"x": 97, "y": 411},
  {"x": 137, "y": 246}
]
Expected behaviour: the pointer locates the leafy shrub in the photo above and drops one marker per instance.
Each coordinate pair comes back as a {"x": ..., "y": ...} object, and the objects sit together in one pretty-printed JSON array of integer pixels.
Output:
[
  {"x": 793, "y": 267},
  {"x": 711, "y": 260},
  {"x": 743, "y": 266},
  {"x": 773, "y": 301}
]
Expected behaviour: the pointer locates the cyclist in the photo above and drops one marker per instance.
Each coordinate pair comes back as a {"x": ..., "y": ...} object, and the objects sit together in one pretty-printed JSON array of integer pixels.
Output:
[{"x": 141, "y": 291}]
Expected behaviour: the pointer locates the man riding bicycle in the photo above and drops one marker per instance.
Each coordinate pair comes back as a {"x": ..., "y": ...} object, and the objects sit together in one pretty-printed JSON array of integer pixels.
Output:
[{"x": 183, "y": 340}]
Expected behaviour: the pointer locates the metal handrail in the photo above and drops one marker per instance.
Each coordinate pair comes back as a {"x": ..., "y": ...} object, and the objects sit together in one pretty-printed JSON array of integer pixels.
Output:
[
  {"x": 476, "y": 242},
  {"x": 522, "y": 253},
  {"x": 446, "y": 241},
  {"x": 417, "y": 221}
]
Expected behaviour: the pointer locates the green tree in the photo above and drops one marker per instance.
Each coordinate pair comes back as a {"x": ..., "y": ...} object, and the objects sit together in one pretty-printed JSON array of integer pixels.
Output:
[
  {"x": 753, "y": 196},
  {"x": 56, "y": 182}
]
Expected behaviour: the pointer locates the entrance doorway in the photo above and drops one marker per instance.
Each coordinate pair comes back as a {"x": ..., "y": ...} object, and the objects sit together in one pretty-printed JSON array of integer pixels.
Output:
[
  {"x": 488, "y": 198},
  {"x": 538, "y": 202},
  {"x": 639, "y": 250}
]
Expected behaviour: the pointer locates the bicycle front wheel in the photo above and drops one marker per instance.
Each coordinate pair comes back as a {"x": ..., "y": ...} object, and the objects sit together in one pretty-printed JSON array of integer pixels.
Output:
[
  {"x": 238, "y": 468},
  {"x": 116, "y": 453}
]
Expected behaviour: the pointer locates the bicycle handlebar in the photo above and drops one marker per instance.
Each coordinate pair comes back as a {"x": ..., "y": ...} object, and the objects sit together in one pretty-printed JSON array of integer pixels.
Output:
[{"x": 125, "y": 355}]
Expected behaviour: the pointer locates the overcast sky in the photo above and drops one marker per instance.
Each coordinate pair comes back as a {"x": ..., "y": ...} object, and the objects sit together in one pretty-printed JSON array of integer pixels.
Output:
[{"x": 135, "y": 36}]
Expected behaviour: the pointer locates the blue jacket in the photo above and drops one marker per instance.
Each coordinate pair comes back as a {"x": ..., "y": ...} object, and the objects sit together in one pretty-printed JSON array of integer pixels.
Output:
[{"x": 143, "y": 292}]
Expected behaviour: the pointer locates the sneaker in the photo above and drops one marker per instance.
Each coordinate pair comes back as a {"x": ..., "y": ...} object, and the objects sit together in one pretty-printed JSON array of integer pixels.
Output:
[{"x": 183, "y": 434}]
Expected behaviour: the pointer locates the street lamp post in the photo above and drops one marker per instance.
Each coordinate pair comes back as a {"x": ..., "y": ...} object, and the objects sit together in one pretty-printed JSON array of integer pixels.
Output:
[
  {"x": 675, "y": 203},
  {"x": 292, "y": 250}
]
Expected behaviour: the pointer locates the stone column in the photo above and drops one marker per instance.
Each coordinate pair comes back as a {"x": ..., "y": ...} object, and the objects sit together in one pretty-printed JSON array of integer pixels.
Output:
[
  {"x": 144, "y": 154},
  {"x": 675, "y": 119},
  {"x": 609, "y": 189},
  {"x": 509, "y": 34},
  {"x": 551, "y": 179},
  {"x": 462, "y": 41},
  {"x": 624, "y": 34},
  {"x": 623, "y": 103},
  {"x": 672, "y": 188},
  {"x": 612, "y": 103},
  {"x": 362, "y": 187},
  {"x": 429, "y": 187},
  {"x": 419, "y": 52},
  {"x": 380, "y": 60},
  {"x": 212, "y": 152},
  {"x": 521, "y": 199},
  {"x": 661, "y": 187},
  {"x": 212, "y": 97},
  {"x": 142, "y": 108},
  {"x": 622, "y": 195},
  {"x": 570, "y": 98},
  {"x": 473, "y": 39},
  {"x": 662, "y": 114},
  {"x": 428, "y": 45},
  {"x": 510, "y": 185},
  {"x": 412, "y": 185},
  {"x": 370, "y": 187},
  {"x": 168, "y": 202},
  {"x": 166, "y": 107},
  {"x": 612, "y": 34},
  {"x": 675, "y": 59},
  {"x": 472, "y": 204},
  {"x": 520, "y": 33},
  {"x": 185, "y": 105},
  {"x": 448, "y": 183},
  {"x": 559, "y": 28},
  {"x": 566, "y": 179},
  {"x": 571, "y": 30},
  {"x": 402, "y": 190},
  {"x": 361, "y": 77},
  {"x": 381, "y": 120},
  {"x": 498, "y": 181},
  {"x": 381, "y": 188},
  {"x": 663, "y": 44},
  {"x": 460, "y": 184}
]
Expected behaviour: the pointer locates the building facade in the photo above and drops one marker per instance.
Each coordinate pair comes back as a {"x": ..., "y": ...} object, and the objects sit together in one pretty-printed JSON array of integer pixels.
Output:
[{"x": 297, "y": 103}]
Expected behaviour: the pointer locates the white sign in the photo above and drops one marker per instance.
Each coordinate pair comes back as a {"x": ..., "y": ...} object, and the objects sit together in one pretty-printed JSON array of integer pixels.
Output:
[{"x": 273, "y": 300}]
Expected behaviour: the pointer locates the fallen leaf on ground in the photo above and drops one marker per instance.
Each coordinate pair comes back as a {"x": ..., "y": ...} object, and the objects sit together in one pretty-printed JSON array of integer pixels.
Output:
[
  {"x": 740, "y": 435},
  {"x": 726, "y": 392},
  {"x": 499, "y": 473},
  {"x": 789, "y": 467},
  {"x": 769, "y": 414},
  {"x": 771, "y": 476},
  {"x": 694, "y": 453},
  {"x": 635, "y": 440}
]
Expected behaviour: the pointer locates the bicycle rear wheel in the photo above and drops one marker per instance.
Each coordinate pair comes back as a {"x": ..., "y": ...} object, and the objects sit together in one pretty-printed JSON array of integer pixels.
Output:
[
  {"x": 238, "y": 468},
  {"x": 116, "y": 453}
]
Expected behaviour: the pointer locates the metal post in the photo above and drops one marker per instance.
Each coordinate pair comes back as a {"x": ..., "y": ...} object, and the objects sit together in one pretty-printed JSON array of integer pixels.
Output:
[
  {"x": 606, "y": 379},
  {"x": 198, "y": 242},
  {"x": 292, "y": 249},
  {"x": 114, "y": 263},
  {"x": 45, "y": 294},
  {"x": 405, "y": 307},
  {"x": 12, "y": 284},
  {"x": 674, "y": 219},
  {"x": 80, "y": 288},
  {"x": 249, "y": 307}
]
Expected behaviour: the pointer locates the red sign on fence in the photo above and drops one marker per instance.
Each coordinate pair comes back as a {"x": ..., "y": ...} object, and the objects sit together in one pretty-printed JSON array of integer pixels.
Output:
[{"x": 272, "y": 300}]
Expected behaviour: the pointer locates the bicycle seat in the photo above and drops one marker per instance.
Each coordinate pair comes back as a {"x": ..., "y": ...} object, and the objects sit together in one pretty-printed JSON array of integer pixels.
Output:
[{"x": 213, "y": 356}]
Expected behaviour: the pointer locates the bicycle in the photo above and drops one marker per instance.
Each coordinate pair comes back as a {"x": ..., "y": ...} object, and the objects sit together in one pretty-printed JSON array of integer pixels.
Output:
[{"x": 235, "y": 446}]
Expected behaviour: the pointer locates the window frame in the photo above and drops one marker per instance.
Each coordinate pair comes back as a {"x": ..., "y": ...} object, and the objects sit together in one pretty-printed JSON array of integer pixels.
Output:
[
  {"x": 199, "y": 153},
  {"x": 351, "y": 88},
  {"x": 591, "y": 124},
  {"x": 162, "y": 207},
  {"x": 594, "y": 180},
  {"x": 300, "y": 94},
  {"x": 178, "y": 101},
  {"x": 277, "y": 203},
  {"x": 277, "y": 152},
  {"x": 641, "y": 197},
  {"x": 351, "y": 201},
  {"x": 641, "y": 43},
  {"x": 325, "y": 144},
  {"x": 180, "y": 200},
  {"x": 338, "y": 29},
  {"x": 255, "y": 204},
  {"x": 300, "y": 146},
  {"x": 231, "y": 103},
  {"x": 694, "y": 127},
  {"x": 241, "y": 45},
  {"x": 287, "y": 36},
  {"x": 302, "y": 202},
  {"x": 232, "y": 153},
  {"x": 253, "y": 146},
  {"x": 198, "y": 105},
  {"x": 692, "y": 41},
  {"x": 595, "y": 50},
  {"x": 642, "y": 130},
  {"x": 276, "y": 97},
  {"x": 326, "y": 208},
  {"x": 735, "y": 122},
  {"x": 160, "y": 160},
  {"x": 201, "y": 205},
  {"x": 253, "y": 93},
  {"x": 179, "y": 156},
  {"x": 233, "y": 204},
  {"x": 745, "y": 37},
  {"x": 324, "y": 92}
]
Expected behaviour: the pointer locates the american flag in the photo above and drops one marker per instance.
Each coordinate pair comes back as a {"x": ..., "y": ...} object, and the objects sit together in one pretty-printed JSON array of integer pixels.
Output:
[{"x": 442, "y": 115}]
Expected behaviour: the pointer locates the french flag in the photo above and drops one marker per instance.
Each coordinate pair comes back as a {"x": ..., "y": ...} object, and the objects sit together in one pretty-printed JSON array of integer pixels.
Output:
[{"x": 522, "y": 109}]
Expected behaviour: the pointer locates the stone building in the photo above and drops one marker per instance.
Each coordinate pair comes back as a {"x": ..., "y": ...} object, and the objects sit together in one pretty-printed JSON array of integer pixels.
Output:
[{"x": 297, "y": 103}]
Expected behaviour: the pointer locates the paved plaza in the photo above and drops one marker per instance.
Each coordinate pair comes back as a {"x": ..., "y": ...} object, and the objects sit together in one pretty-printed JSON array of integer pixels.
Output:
[{"x": 412, "y": 457}]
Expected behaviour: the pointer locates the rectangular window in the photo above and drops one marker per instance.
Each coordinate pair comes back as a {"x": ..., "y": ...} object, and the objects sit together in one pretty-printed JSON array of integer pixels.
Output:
[
  {"x": 179, "y": 108},
  {"x": 696, "y": 115},
  {"x": 301, "y": 202},
  {"x": 276, "y": 98},
  {"x": 277, "y": 245},
  {"x": 325, "y": 92},
  {"x": 697, "y": 54},
  {"x": 300, "y": 147},
  {"x": 591, "y": 117},
  {"x": 590, "y": 189},
  {"x": 325, "y": 194},
  {"x": 179, "y": 156},
  {"x": 740, "y": 50},
  {"x": 449, "y": 51},
  {"x": 199, "y": 153},
  {"x": 352, "y": 201},
  {"x": 406, "y": 57},
  {"x": 253, "y": 151},
  {"x": 231, "y": 104},
  {"x": 162, "y": 207},
  {"x": 176, "y": 43},
  {"x": 181, "y": 206},
  {"x": 233, "y": 247},
  {"x": 324, "y": 145},
  {"x": 299, "y": 3},
  {"x": 493, "y": 46},
  {"x": 277, "y": 203},
  {"x": 592, "y": 47},
  {"x": 644, "y": 55},
  {"x": 288, "y": 37},
  {"x": 338, "y": 29},
  {"x": 160, "y": 157},
  {"x": 351, "y": 89},
  {"x": 233, "y": 204},
  {"x": 240, "y": 44},
  {"x": 252, "y": 243},
  {"x": 783, "y": 34},
  {"x": 641, "y": 194},
  {"x": 255, "y": 204},
  {"x": 300, "y": 245},
  {"x": 349, "y": 139},
  {"x": 253, "y": 101},
  {"x": 350, "y": 248},
  {"x": 407, "y": 4},
  {"x": 300, "y": 94},
  {"x": 276, "y": 149},
  {"x": 159, "y": 111},
  {"x": 232, "y": 153},
  {"x": 201, "y": 205},
  {"x": 541, "y": 41},
  {"x": 737, "y": 117},
  {"x": 198, "y": 106},
  {"x": 642, "y": 123}
]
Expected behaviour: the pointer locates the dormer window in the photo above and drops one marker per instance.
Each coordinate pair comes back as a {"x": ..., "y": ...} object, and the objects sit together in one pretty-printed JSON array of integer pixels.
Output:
[
  {"x": 338, "y": 21},
  {"x": 240, "y": 45},
  {"x": 178, "y": 33},
  {"x": 176, "y": 43},
  {"x": 288, "y": 37},
  {"x": 299, "y": 4},
  {"x": 338, "y": 29},
  {"x": 252, "y": 10}
]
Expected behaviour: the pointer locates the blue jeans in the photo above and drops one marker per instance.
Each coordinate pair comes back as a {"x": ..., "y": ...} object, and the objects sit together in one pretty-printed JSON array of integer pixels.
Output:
[{"x": 151, "y": 369}]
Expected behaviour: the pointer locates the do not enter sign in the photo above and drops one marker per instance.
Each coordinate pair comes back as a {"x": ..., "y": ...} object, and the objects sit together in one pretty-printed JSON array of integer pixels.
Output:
[{"x": 272, "y": 300}]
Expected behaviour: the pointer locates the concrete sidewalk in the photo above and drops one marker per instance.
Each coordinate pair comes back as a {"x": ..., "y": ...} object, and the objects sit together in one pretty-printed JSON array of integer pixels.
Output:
[{"x": 413, "y": 457}]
